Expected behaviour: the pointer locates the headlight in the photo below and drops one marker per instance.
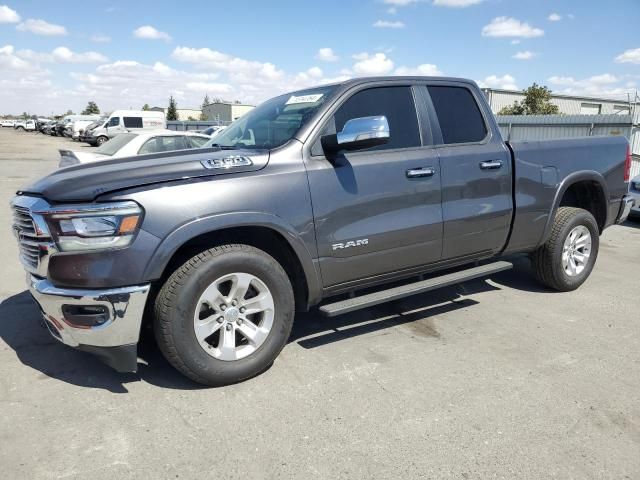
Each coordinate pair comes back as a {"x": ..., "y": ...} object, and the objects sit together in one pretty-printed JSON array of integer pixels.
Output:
[{"x": 94, "y": 227}]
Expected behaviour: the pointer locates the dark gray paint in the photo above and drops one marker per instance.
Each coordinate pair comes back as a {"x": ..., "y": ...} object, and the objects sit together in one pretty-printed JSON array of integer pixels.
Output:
[{"x": 460, "y": 214}]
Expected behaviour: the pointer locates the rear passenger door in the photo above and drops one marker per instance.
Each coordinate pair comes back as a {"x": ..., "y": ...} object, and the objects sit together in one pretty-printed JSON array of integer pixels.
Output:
[
  {"x": 375, "y": 210},
  {"x": 475, "y": 169}
]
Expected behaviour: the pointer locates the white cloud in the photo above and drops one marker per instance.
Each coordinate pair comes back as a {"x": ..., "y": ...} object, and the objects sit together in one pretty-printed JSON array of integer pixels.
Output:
[
  {"x": 64, "y": 55},
  {"x": 603, "y": 85},
  {"x": 97, "y": 38},
  {"x": 314, "y": 72},
  {"x": 239, "y": 69},
  {"x": 526, "y": 55},
  {"x": 510, "y": 27},
  {"x": 392, "y": 10},
  {"x": 9, "y": 61},
  {"x": 23, "y": 84},
  {"x": 516, "y": 42},
  {"x": 40, "y": 27},
  {"x": 388, "y": 24},
  {"x": 629, "y": 56},
  {"x": 326, "y": 54},
  {"x": 505, "y": 82},
  {"x": 151, "y": 33},
  {"x": 8, "y": 15},
  {"x": 426, "y": 69},
  {"x": 554, "y": 17},
  {"x": 456, "y": 3},
  {"x": 61, "y": 55},
  {"x": 376, "y": 64}
]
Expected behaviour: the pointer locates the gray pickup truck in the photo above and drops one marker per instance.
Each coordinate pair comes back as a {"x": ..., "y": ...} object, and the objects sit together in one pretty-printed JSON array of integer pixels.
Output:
[{"x": 318, "y": 197}]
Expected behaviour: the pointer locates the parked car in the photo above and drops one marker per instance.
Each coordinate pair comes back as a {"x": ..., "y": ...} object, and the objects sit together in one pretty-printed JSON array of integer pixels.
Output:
[
  {"x": 135, "y": 143},
  {"x": 122, "y": 121},
  {"x": 634, "y": 191},
  {"x": 310, "y": 196},
  {"x": 43, "y": 125},
  {"x": 213, "y": 130},
  {"x": 25, "y": 125},
  {"x": 7, "y": 123},
  {"x": 87, "y": 133}
]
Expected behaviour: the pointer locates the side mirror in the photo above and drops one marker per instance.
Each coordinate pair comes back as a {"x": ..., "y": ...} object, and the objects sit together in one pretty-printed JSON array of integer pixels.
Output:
[{"x": 358, "y": 134}]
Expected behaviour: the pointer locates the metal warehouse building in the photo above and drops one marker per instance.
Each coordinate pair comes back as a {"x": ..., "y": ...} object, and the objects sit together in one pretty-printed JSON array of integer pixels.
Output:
[
  {"x": 225, "y": 112},
  {"x": 567, "y": 104}
]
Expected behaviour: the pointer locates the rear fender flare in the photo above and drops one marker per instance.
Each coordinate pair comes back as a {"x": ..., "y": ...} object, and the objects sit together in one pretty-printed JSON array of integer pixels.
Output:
[{"x": 568, "y": 181}]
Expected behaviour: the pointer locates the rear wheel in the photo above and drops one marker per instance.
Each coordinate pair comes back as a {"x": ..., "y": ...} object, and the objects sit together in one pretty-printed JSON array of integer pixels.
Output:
[
  {"x": 224, "y": 315},
  {"x": 567, "y": 258}
]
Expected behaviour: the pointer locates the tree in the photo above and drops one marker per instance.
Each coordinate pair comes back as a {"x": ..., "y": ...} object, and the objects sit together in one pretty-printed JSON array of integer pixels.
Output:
[
  {"x": 69, "y": 112},
  {"x": 172, "y": 111},
  {"x": 146, "y": 107},
  {"x": 205, "y": 102},
  {"x": 537, "y": 101},
  {"x": 92, "y": 109}
]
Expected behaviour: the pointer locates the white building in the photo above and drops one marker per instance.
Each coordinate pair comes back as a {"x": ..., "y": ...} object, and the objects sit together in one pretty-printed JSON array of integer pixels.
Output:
[
  {"x": 225, "y": 112},
  {"x": 184, "y": 114},
  {"x": 567, "y": 104}
]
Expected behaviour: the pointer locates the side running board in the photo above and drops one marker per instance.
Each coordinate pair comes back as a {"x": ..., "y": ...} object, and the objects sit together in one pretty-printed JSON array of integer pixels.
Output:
[{"x": 376, "y": 298}]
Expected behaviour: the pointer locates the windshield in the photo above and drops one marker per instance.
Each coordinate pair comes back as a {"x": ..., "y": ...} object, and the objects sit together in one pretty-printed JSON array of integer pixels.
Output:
[
  {"x": 274, "y": 122},
  {"x": 115, "y": 144}
]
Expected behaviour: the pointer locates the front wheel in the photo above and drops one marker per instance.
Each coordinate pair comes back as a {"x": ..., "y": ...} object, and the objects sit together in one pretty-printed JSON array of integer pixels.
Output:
[
  {"x": 566, "y": 259},
  {"x": 224, "y": 315},
  {"x": 101, "y": 140}
]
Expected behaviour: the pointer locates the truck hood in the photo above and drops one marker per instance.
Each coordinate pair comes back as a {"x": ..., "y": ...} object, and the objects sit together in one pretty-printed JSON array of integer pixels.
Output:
[{"x": 86, "y": 182}]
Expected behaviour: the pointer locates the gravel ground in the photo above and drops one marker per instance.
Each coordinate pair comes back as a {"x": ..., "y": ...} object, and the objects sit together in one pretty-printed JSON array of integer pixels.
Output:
[{"x": 495, "y": 378}]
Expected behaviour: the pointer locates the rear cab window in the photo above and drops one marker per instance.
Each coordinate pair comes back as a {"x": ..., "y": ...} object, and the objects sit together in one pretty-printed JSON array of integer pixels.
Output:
[{"x": 458, "y": 113}]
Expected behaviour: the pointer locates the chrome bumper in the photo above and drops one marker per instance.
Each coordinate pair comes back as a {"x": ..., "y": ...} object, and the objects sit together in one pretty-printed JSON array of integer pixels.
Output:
[
  {"x": 119, "y": 326},
  {"x": 625, "y": 208}
]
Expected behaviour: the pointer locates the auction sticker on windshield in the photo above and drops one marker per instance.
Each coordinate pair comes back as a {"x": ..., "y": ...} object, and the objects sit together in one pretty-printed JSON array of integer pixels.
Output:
[{"x": 293, "y": 99}]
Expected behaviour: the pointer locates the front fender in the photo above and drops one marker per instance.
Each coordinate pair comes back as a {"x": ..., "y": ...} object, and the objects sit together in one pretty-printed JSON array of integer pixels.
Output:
[{"x": 205, "y": 225}]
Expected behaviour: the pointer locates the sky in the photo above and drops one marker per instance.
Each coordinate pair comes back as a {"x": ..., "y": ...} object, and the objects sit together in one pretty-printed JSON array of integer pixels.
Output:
[{"x": 57, "y": 56}]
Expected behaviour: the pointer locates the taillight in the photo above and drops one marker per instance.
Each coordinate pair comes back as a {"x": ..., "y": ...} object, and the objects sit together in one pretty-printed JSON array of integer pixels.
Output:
[{"x": 627, "y": 164}]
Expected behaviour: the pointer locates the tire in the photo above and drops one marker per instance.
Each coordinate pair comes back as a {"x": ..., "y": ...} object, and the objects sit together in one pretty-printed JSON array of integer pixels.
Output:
[
  {"x": 20, "y": 128},
  {"x": 211, "y": 275},
  {"x": 101, "y": 140},
  {"x": 564, "y": 263}
]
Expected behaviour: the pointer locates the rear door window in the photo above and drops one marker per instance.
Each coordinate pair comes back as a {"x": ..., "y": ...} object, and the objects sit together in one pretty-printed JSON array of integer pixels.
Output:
[
  {"x": 132, "y": 122},
  {"x": 458, "y": 114}
]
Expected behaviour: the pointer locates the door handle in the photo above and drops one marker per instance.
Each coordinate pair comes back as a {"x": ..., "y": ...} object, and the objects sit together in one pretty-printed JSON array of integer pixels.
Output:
[
  {"x": 420, "y": 172},
  {"x": 491, "y": 165}
]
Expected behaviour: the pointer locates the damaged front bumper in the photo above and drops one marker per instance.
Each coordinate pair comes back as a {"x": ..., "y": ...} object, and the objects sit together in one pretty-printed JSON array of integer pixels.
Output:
[{"x": 105, "y": 322}]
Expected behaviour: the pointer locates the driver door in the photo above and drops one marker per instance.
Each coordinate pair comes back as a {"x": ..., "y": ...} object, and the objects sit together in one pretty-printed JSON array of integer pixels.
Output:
[{"x": 373, "y": 214}]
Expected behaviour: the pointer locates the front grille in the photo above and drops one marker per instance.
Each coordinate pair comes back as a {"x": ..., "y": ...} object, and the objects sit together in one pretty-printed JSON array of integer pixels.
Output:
[
  {"x": 22, "y": 220},
  {"x": 32, "y": 243}
]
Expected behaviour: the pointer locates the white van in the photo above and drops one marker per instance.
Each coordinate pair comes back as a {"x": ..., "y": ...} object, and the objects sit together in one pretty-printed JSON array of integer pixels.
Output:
[{"x": 122, "y": 121}]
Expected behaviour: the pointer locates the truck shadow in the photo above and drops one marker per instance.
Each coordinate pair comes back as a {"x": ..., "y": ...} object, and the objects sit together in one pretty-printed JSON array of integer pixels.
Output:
[{"x": 21, "y": 330}]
